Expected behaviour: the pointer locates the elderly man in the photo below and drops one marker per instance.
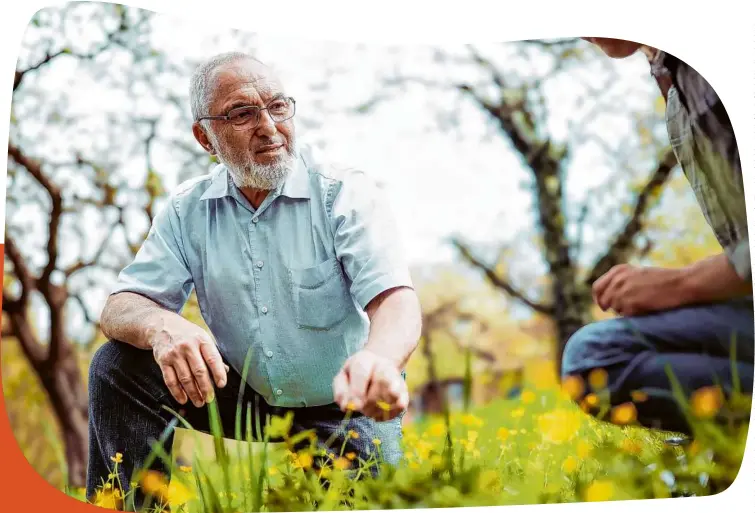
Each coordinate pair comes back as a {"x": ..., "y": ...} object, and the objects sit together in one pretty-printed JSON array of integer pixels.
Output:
[
  {"x": 696, "y": 321},
  {"x": 295, "y": 263}
]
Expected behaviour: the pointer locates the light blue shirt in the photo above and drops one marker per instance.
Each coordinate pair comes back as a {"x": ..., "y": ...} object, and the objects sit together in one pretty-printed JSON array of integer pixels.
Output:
[{"x": 290, "y": 280}]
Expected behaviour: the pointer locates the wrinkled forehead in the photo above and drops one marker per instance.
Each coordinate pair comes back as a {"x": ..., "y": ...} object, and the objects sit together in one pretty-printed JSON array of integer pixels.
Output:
[{"x": 243, "y": 82}]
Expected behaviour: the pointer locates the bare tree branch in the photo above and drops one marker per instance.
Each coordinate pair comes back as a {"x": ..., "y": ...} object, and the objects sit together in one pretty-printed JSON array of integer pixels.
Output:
[
  {"x": 623, "y": 244},
  {"x": 498, "y": 281}
]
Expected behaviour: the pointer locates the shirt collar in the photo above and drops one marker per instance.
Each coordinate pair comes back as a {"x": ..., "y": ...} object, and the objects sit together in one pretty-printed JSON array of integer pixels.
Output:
[{"x": 296, "y": 185}]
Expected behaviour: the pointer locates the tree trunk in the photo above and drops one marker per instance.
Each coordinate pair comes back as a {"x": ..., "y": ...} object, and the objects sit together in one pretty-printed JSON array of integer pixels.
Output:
[{"x": 68, "y": 397}]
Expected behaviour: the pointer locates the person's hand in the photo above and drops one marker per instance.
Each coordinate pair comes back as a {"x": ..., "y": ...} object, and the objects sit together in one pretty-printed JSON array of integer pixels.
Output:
[
  {"x": 371, "y": 384},
  {"x": 629, "y": 290},
  {"x": 189, "y": 361}
]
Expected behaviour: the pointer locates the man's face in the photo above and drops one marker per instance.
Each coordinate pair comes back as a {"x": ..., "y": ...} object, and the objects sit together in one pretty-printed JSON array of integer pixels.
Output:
[
  {"x": 615, "y": 48},
  {"x": 259, "y": 157}
]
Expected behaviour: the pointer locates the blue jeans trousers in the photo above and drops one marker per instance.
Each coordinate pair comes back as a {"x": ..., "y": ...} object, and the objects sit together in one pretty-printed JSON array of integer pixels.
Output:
[
  {"x": 695, "y": 342},
  {"x": 126, "y": 414}
]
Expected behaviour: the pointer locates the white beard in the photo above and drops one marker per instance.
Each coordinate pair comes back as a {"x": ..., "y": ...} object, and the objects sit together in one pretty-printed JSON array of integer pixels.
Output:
[{"x": 266, "y": 177}]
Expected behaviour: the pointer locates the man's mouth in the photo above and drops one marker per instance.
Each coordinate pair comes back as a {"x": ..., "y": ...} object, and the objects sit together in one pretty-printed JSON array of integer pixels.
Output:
[{"x": 268, "y": 148}]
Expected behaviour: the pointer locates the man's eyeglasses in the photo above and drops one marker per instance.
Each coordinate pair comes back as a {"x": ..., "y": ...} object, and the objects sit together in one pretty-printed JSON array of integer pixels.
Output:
[{"x": 246, "y": 118}]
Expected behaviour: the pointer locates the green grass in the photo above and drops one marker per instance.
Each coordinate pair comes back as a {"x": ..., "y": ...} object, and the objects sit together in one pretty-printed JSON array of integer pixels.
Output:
[{"x": 539, "y": 449}]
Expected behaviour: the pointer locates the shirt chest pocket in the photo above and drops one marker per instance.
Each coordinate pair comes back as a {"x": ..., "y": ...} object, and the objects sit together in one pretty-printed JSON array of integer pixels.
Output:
[{"x": 321, "y": 296}]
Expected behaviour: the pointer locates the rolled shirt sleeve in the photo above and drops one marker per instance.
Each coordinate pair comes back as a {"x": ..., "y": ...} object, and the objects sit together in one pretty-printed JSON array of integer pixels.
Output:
[
  {"x": 159, "y": 270},
  {"x": 367, "y": 240}
]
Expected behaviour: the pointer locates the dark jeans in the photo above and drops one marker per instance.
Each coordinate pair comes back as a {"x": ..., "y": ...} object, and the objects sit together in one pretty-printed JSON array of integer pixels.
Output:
[
  {"x": 126, "y": 395},
  {"x": 695, "y": 342}
]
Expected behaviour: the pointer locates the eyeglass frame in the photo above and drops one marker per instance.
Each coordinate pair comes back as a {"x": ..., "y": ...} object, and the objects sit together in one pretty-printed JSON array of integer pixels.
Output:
[{"x": 227, "y": 116}]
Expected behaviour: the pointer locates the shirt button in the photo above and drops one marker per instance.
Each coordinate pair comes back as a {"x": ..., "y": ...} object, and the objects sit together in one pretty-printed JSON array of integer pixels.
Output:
[
  {"x": 260, "y": 264},
  {"x": 269, "y": 354},
  {"x": 264, "y": 309},
  {"x": 279, "y": 392},
  {"x": 255, "y": 220}
]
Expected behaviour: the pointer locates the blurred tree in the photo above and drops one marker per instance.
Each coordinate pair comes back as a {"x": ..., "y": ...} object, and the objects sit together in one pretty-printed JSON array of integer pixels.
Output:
[
  {"x": 82, "y": 185},
  {"x": 519, "y": 87}
]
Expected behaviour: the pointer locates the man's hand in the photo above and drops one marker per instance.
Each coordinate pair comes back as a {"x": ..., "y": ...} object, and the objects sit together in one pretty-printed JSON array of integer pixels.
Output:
[
  {"x": 372, "y": 385},
  {"x": 630, "y": 290},
  {"x": 187, "y": 356}
]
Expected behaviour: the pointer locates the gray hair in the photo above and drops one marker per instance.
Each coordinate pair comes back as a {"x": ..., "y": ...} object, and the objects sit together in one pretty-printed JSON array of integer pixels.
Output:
[{"x": 201, "y": 80}]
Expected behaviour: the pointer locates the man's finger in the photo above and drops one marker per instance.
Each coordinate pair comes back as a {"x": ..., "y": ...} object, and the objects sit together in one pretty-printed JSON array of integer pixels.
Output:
[
  {"x": 341, "y": 389},
  {"x": 201, "y": 374},
  {"x": 186, "y": 379},
  {"x": 171, "y": 381},
  {"x": 600, "y": 285},
  {"x": 214, "y": 362},
  {"x": 360, "y": 372}
]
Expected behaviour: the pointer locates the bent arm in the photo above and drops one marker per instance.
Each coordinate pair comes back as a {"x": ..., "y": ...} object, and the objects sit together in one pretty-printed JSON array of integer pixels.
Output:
[
  {"x": 395, "y": 325},
  {"x": 134, "y": 319},
  {"x": 715, "y": 279}
]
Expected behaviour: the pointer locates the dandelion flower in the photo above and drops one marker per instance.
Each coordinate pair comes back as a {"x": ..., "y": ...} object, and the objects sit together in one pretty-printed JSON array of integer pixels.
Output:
[
  {"x": 518, "y": 413},
  {"x": 598, "y": 379},
  {"x": 583, "y": 449},
  {"x": 573, "y": 387},
  {"x": 384, "y": 406},
  {"x": 528, "y": 397},
  {"x": 107, "y": 499},
  {"x": 350, "y": 456},
  {"x": 592, "y": 400},
  {"x": 376, "y": 441},
  {"x": 353, "y": 434},
  {"x": 471, "y": 420},
  {"x": 558, "y": 426},
  {"x": 599, "y": 491},
  {"x": 503, "y": 434},
  {"x": 304, "y": 461},
  {"x": 153, "y": 482},
  {"x": 569, "y": 465},
  {"x": 118, "y": 458},
  {"x": 178, "y": 493},
  {"x": 706, "y": 402},
  {"x": 623, "y": 414},
  {"x": 639, "y": 396},
  {"x": 437, "y": 429},
  {"x": 342, "y": 463}
]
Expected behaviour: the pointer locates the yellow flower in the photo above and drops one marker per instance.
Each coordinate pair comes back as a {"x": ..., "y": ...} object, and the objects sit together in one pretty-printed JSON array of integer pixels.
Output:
[
  {"x": 353, "y": 434},
  {"x": 573, "y": 387},
  {"x": 624, "y": 414},
  {"x": 118, "y": 458},
  {"x": 153, "y": 482},
  {"x": 351, "y": 406},
  {"x": 528, "y": 397},
  {"x": 280, "y": 426},
  {"x": 350, "y": 456},
  {"x": 376, "y": 441},
  {"x": 342, "y": 463},
  {"x": 503, "y": 434},
  {"x": 437, "y": 429},
  {"x": 107, "y": 499},
  {"x": 519, "y": 412},
  {"x": 384, "y": 406},
  {"x": 304, "y": 461},
  {"x": 569, "y": 465},
  {"x": 631, "y": 446},
  {"x": 599, "y": 491},
  {"x": 471, "y": 420},
  {"x": 598, "y": 379},
  {"x": 272, "y": 471},
  {"x": 413, "y": 465},
  {"x": 185, "y": 468},
  {"x": 472, "y": 435},
  {"x": 706, "y": 402},
  {"x": 583, "y": 449},
  {"x": 639, "y": 396},
  {"x": 592, "y": 400},
  {"x": 178, "y": 493},
  {"x": 558, "y": 426}
]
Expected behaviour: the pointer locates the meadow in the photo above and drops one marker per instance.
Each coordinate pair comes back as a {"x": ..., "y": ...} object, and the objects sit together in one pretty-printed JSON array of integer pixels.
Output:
[{"x": 538, "y": 448}]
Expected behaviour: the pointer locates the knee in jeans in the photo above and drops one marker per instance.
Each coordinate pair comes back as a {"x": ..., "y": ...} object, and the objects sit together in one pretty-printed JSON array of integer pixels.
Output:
[
  {"x": 580, "y": 344},
  {"x": 104, "y": 361}
]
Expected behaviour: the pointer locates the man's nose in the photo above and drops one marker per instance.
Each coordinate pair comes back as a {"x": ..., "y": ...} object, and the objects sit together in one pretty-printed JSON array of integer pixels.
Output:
[{"x": 266, "y": 125}]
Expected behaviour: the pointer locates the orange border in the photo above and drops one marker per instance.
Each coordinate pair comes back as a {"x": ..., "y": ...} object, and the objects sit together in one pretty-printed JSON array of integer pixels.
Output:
[{"x": 21, "y": 487}]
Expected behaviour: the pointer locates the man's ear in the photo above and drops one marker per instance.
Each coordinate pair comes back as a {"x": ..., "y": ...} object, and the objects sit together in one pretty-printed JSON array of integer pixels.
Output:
[{"x": 201, "y": 136}]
